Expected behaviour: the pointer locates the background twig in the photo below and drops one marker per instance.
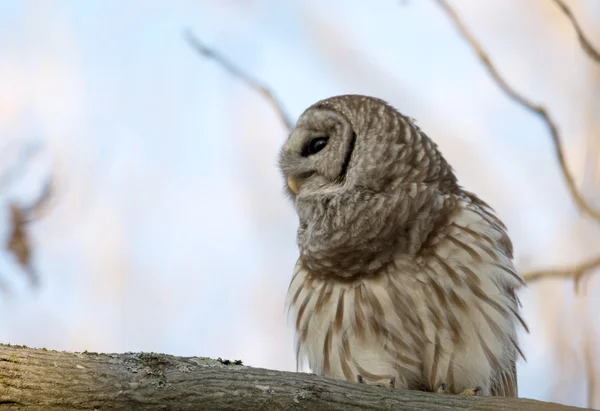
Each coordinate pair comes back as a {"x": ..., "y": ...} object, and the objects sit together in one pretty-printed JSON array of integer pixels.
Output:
[
  {"x": 579, "y": 271},
  {"x": 588, "y": 357},
  {"x": 576, "y": 273},
  {"x": 19, "y": 241},
  {"x": 583, "y": 41},
  {"x": 234, "y": 70},
  {"x": 527, "y": 104}
]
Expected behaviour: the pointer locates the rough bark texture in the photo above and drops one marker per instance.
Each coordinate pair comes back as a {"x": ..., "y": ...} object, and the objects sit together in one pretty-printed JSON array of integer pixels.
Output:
[{"x": 39, "y": 379}]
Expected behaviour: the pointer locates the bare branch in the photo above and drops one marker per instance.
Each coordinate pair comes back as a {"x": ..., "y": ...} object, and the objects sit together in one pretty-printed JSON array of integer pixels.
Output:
[
  {"x": 527, "y": 104},
  {"x": 19, "y": 241},
  {"x": 24, "y": 157},
  {"x": 40, "y": 206},
  {"x": 235, "y": 71},
  {"x": 576, "y": 273},
  {"x": 589, "y": 361},
  {"x": 583, "y": 41}
]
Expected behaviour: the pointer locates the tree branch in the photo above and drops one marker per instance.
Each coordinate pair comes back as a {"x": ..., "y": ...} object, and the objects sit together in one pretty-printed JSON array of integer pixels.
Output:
[
  {"x": 236, "y": 71},
  {"x": 576, "y": 273},
  {"x": 35, "y": 379},
  {"x": 18, "y": 242},
  {"x": 583, "y": 41},
  {"x": 527, "y": 104},
  {"x": 24, "y": 157},
  {"x": 590, "y": 369}
]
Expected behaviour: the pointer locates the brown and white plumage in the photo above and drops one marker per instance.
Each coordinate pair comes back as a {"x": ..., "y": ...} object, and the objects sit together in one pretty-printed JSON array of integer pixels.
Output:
[{"x": 402, "y": 276}]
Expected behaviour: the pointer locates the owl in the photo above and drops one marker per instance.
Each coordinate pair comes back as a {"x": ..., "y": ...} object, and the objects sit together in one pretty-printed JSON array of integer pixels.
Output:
[{"x": 404, "y": 278}]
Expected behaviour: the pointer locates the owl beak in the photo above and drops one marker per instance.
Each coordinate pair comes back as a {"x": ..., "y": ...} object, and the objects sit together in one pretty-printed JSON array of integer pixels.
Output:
[{"x": 292, "y": 184}]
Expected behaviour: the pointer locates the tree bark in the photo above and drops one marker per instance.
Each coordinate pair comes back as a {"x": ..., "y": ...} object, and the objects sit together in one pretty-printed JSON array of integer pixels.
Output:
[{"x": 40, "y": 379}]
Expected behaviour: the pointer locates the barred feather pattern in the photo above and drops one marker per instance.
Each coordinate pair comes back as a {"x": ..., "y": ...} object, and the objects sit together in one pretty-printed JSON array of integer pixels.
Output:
[
  {"x": 402, "y": 273},
  {"x": 447, "y": 315}
]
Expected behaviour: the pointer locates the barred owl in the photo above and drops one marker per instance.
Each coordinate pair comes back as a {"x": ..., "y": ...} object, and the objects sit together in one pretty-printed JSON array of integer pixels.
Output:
[{"x": 404, "y": 277}]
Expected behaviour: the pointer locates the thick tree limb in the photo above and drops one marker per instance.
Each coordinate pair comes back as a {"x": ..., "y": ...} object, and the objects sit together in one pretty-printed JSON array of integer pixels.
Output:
[
  {"x": 38, "y": 379},
  {"x": 236, "y": 71}
]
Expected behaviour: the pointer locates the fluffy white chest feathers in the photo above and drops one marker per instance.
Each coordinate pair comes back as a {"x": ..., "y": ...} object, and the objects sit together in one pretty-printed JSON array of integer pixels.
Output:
[{"x": 447, "y": 317}]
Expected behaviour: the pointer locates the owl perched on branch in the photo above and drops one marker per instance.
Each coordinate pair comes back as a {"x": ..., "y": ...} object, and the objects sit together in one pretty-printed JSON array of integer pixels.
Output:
[{"x": 403, "y": 278}]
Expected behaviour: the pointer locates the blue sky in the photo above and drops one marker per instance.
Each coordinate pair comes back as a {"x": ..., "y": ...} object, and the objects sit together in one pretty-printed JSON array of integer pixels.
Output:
[{"x": 169, "y": 231}]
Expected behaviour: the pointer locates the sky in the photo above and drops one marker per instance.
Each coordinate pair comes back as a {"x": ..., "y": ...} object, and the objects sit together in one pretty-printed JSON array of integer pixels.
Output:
[{"x": 169, "y": 230}]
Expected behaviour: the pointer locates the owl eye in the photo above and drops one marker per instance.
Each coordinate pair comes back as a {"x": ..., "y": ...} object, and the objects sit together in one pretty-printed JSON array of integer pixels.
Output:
[{"x": 314, "y": 146}]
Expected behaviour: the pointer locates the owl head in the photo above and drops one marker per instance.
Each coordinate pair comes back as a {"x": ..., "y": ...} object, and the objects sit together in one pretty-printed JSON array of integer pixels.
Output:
[
  {"x": 352, "y": 142},
  {"x": 361, "y": 176}
]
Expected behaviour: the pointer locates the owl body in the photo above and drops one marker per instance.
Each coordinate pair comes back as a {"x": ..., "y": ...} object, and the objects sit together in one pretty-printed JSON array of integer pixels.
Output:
[{"x": 402, "y": 276}]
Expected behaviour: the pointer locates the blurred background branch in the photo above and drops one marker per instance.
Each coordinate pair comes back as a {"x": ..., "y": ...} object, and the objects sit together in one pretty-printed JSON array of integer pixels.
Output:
[
  {"x": 590, "y": 369},
  {"x": 18, "y": 242},
  {"x": 577, "y": 273},
  {"x": 539, "y": 110},
  {"x": 583, "y": 268},
  {"x": 583, "y": 40},
  {"x": 26, "y": 153},
  {"x": 237, "y": 72}
]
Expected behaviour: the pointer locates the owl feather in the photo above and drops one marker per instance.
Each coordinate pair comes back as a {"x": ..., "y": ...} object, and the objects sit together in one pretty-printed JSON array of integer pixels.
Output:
[{"x": 403, "y": 275}]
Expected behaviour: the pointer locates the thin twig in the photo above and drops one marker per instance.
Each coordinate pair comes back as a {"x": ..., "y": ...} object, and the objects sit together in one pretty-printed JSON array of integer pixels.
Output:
[
  {"x": 36, "y": 210},
  {"x": 25, "y": 156},
  {"x": 590, "y": 363},
  {"x": 583, "y": 41},
  {"x": 19, "y": 240},
  {"x": 239, "y": 73},
  {"x": 527, "y": 104},
  {"x": 576, "y": 273}
]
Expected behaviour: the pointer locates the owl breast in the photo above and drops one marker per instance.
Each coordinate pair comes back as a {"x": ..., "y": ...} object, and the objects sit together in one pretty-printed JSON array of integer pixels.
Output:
[{"x": 445, "y": 315}]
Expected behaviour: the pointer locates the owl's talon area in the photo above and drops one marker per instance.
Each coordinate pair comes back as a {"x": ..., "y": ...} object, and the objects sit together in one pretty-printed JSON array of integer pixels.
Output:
[
  {"x": 393, "y": 382},
  {"x": 471, "y": 392},
  {"x": 360, "y": 379},
  {"x": 442, "y": 389}
]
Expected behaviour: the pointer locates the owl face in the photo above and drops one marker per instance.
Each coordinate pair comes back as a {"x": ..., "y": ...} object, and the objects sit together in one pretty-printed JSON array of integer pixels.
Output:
[{"x": 318, "y": 152}]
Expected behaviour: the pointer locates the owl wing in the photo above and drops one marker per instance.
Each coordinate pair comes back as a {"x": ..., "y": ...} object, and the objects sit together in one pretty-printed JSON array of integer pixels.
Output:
[
  {"x": 505, "y": 384},
  {"x": 480, "y": 239}
]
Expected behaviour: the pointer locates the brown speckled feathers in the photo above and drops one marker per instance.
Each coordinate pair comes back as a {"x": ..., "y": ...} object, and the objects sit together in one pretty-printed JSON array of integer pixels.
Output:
[{"x": 403, "y": 276}]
